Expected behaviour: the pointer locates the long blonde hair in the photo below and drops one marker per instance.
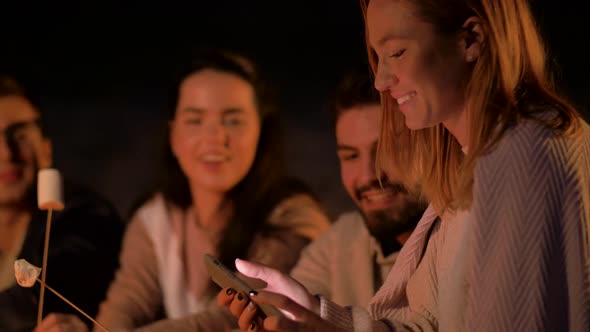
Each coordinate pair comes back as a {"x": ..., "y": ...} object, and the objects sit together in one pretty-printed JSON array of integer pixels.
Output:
[{"x": 510, "y": 76}]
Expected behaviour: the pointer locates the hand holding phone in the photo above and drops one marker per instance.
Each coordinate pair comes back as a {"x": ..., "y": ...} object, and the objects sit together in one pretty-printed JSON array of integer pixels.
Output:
[{"x": 225, "y": 278}]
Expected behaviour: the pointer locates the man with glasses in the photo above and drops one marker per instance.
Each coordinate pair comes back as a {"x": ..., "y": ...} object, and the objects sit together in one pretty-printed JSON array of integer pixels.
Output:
[{"x": 85, "y": 236}]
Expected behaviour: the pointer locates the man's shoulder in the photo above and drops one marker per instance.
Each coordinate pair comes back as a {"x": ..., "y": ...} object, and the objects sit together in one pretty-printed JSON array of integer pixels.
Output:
[
  {"x": 349, "y": 225},
  {"x": 338, "y": 243},
  {"x": 349, "y": 219}
]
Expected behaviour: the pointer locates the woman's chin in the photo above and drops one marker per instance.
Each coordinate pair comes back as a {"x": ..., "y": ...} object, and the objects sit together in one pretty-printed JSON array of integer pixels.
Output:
[
  {"x": 416, "y": 125},
  {"x": 413, "y": 123}
]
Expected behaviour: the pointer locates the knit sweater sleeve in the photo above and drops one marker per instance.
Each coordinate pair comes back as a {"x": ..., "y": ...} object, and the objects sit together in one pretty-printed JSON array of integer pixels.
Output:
[
  {"x": 301, "y": 214},
  {"x": 298, "y": 220},
  {"x": 134, "y": 297},
  {"x": 418, "y": 318},
  {"x": 530, "y": 220}
]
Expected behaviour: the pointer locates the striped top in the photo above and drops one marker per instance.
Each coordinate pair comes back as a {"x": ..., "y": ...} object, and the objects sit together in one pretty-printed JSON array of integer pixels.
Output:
[{"x": 517, "y": 260}]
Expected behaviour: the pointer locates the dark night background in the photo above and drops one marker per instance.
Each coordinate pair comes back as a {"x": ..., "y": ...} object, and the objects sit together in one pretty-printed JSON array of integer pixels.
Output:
[{"x": 102, "y": 69}]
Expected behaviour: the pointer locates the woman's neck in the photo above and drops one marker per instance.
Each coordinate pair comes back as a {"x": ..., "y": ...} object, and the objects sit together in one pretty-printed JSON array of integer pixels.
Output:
[
  {"x": 210, "y": 209},
  {"x": 458, "y": 126}
]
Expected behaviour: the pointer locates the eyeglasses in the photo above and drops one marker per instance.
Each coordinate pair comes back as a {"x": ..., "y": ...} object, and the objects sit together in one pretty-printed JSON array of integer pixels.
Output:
[{"x": 19, "y": 132}]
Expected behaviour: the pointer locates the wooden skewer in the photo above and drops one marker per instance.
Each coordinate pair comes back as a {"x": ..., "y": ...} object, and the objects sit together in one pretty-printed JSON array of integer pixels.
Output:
[
  {"x": 44, "y": 268},
  {"x": 73, "y": 305}
]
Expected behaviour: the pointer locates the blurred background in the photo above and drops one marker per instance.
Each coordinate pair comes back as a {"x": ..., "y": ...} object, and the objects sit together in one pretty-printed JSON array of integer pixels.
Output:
[{"x": 102, "y": 71}]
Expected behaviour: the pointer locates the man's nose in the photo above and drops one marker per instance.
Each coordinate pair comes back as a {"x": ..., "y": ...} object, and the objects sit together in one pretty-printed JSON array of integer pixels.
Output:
[{"x": 368, "y": 173}]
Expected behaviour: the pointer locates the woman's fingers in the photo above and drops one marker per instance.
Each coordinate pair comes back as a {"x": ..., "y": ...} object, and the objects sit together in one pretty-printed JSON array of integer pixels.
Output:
[
  {"x": 226, "y": 296},
  {"x": 298, "y": 318},
  {"x": 250, "y": 319},
  {"x": 50, "y": 322},
  {"x": 61, "y": 323},
  {"x": 258, "y": 271},
  {"x": 278, "y": 282},
  {"x": 288, "y": 307},
  {"x": 295, "y": 317},
  {"x": 247, "y": 312},
  {"x": 238, "y": 304}
]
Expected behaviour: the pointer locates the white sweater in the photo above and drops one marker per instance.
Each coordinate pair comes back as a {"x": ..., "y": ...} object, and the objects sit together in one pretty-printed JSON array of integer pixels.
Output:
[{"x": 345, "y": 263}]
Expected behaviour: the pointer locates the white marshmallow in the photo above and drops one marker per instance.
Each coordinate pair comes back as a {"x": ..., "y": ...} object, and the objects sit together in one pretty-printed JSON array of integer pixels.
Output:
[
  {"x": 49, "y": 190},
  {"x": 26, "y": 273}
]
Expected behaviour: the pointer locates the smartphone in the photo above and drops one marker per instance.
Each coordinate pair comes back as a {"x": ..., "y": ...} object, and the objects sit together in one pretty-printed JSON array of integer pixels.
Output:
[{"x": 225, "y": 278}]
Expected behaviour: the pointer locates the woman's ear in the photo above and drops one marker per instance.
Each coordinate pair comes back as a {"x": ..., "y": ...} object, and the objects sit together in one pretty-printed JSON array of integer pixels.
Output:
[{"x": 473, "y": 39}]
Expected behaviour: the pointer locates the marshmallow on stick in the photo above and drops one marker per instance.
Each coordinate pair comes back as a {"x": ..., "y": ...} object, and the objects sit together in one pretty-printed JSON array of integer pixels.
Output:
[
  {"x": 49, "y": 197},
  {"x": 49, "y": 190},
  {"x": 26, "y": 274}
]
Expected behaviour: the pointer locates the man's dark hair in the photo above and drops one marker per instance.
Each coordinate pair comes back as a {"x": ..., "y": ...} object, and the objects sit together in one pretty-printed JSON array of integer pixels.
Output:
[
  {"x": 354, "y": 89},
  {"x": 10, "y": 87}
]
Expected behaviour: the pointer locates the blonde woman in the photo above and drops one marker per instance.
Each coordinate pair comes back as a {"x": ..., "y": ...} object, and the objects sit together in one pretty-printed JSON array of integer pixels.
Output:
[{"x": 470, "y": 114}]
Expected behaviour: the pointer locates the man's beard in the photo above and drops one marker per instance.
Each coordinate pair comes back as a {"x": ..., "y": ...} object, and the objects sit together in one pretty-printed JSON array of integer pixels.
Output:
[{"x": 389, "y": 223}]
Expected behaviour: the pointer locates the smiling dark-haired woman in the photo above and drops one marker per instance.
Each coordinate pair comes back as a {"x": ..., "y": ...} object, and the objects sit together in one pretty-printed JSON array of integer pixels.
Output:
[{"x": 224, "y": 192}]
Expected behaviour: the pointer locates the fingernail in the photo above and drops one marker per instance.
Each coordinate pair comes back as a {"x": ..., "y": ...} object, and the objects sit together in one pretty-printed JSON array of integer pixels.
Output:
[
  {"x": 230, "y": 291},
  {"x": 251, "y": 306},
  {"x": 253, "y": 293},
  {"x": 253, "y": 326},
  {"x": 240, "y": 297}
]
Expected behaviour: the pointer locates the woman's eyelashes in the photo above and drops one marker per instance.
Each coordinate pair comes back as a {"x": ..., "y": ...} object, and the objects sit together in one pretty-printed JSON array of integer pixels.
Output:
[
  {"x": 398, "y": 54},
  {"x": 193, "y": 121},
  {"x": 229, "y": 122},
  {"x": 232, "y": 122}
]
